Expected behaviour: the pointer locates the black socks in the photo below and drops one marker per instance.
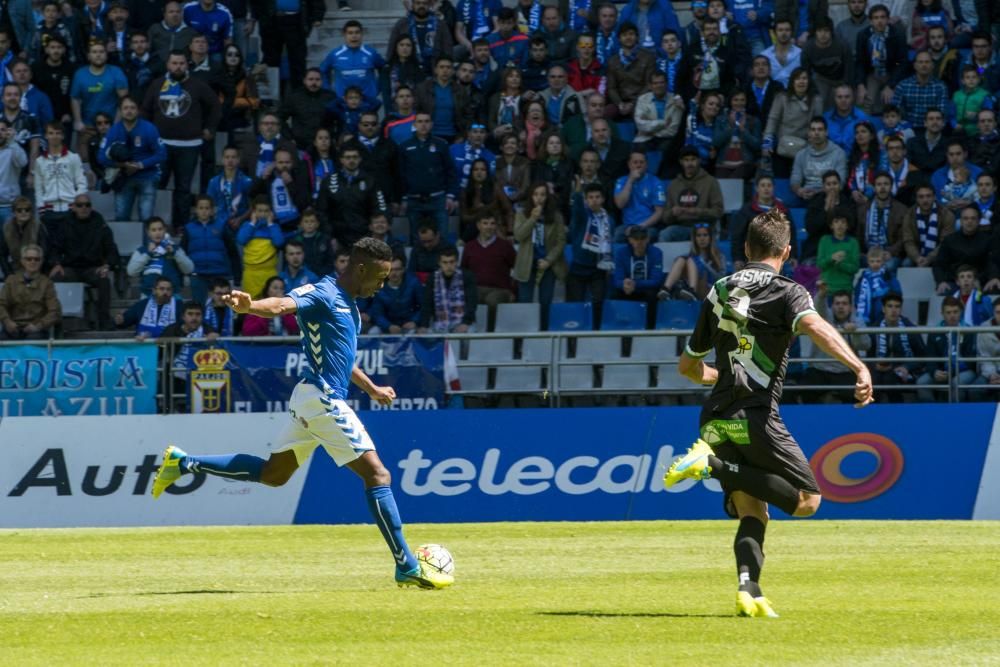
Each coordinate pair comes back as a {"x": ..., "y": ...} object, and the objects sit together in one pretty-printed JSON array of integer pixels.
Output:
[
  {"x": 749, "y": 550},
  {"x": 755, "y": 482}
]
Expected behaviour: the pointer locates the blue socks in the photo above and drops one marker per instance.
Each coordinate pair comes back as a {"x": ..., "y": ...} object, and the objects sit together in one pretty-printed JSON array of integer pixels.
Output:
[
  {"x": 386, "y": 515},
  {"x": 243, "y": 467}
]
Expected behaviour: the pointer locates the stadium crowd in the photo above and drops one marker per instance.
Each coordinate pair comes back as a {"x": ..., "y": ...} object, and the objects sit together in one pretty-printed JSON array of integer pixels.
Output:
[{"x": 575, "y": 146}]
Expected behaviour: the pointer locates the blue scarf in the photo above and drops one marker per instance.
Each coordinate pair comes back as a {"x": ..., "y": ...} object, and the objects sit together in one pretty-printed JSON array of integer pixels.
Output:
[
  {"x": 876, "y": 45},
  {"x": 669, "y": 67},
  {"x": 877, "y": 225},
  {"x": 606, "y": 46},
  {"x": 872, "y": 288},
  {"x": 986, "y": 211},
  {"x": 577, "y": 22},
  {"x": 474, "y": 15},
  {"x": 425, "y": 52},
  {"x": 284, "y": 208},
  {"x": 628, "y": 59},
  {"x": 99, "y": 30},
  {"x": 883, "y": 342},
  {"x": 533, "y": 20},
  {"x": 449, "y": 301},
  {"x": 158, "y": 257},
  {"x": 322, "y": 168},
  {"x": 597, "y": 237},
  {"x": 265, "y": 155},
  {"x": 927, "y": 230},
  {"x": 225, "y": 328},
  {"x": 153, "y": 322}
]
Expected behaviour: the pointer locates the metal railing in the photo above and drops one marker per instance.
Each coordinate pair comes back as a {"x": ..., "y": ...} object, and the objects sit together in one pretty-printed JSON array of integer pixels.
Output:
[{"x": 553, "y": 366}]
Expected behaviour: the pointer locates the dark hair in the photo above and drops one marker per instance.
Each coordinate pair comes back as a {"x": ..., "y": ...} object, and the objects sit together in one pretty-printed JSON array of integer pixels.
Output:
[
  {"x": 768, "y": 234},
  {"x": 971, "y": 207},
  {"x": 881, "y": 174},
  {"x": 443, "y": 58},
  {"x": 448, "y": 251},
  {"x": 53, "y": 125},
  {"x": 874, "y": 148},
  {"x": 894, "y": 138},
  {"x": 551, "y": 207},
  {"x": 309, "y": 211},
  {"x": 295, "y": 244},
  {"x": 537, "y": 40},
  {"x": 779, "y": 21},
  {"x": 353, "y": 23},
  {"x": 840, "y": 293},
  {"x": 178, "y": 52},
  {"x": 892, "y": 296},
  {"x": 267, "y": 285},
  {"x": 920, "y": 9},
  {"x": 950, "y": 302},
  {"x": 627, "y": 26},
  {"x": 955, "y": 141},
  {"x": 427, "y": 224},
  {"x": 822, "y": 23},
  {"x": 127, "y": 98},
  {"x": 260, "y": 200},
  {"x": 878, "y": 8},
  {"x": 831, "y": 172},
  {"x": 150, "y": 220},
  {"x": 707, "y": 20},
  {"x": 201, "y": 198},
  {"x": 820, "y": 120},
  {"x": 162, "y": 279},
  {"x": 981, "y": 34},
  {"x": 934, "y": 110},
  {"x": 219, "y": 282},
  {"x": 193, "y": 305},
  {"x": 963, "y": 268},
  {"x": 593, "y": 187}
]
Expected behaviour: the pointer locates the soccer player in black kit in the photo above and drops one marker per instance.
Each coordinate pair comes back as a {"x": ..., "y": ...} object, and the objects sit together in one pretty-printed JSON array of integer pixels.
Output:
[{"x": 749, "y": 319}]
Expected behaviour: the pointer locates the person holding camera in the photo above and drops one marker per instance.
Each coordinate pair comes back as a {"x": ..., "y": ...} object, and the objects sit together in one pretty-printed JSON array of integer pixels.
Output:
[{"x": 132, "y": 147}]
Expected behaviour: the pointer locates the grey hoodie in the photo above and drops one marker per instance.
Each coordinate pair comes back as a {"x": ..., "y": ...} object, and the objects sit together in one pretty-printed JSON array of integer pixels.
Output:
[
  {"x": 810, "y": 165},
  {"x": 12, "y": 162}
]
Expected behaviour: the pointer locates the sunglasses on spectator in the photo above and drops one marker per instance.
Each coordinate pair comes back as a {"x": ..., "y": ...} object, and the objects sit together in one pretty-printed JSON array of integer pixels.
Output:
[
  {"x": 31, "y": 259},
  {"x": 701, "y": 225},
  {"x": 22, "y": 210},
  {"x": 82, "y": 204}
]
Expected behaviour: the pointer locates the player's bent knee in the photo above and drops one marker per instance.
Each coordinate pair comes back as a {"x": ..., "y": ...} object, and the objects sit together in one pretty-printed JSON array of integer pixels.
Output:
[
  {"x": 278, "y": 470},
  {"x": 808, "y": 504},
  {"x": 380, "y": 477}
]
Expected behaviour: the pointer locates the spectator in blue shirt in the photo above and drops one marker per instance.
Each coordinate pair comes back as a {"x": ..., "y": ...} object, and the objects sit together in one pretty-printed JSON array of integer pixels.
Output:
[
  {"x": 507, "y": 44},
  {"x": 296, "y": 273},
  {"x": 353, "y": 64},
  {"x": 475, "y": 19},
  {"x": 211, "y": 245},
  {"x": 95, "y": 88},
  {"x": 841, "y": 119},
  {"x": 33, "y": 100},
  {"x": 464, "y": 153},
  {"x": 230, "y": 189},
  {"x": 395, "y": 308},
  {"x": 954, "y": 188},
  {"x": 639, "y": 271},
  {"x": 212, "y": 20},
  {"x": 133, "y": 145},
  {"x": 640, "y": 196}
]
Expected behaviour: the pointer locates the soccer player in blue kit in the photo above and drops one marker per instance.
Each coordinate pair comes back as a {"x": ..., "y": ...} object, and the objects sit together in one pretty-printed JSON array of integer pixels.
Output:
[{"x": 319, "y": 415}]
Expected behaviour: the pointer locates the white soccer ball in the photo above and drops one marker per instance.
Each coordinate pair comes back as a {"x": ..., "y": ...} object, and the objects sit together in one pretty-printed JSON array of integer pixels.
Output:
[{"x": 435, "y": 558}]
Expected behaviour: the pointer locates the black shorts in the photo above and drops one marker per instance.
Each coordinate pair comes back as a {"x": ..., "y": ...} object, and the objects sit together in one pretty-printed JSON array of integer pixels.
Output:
[{"x": 757, "y": 437}]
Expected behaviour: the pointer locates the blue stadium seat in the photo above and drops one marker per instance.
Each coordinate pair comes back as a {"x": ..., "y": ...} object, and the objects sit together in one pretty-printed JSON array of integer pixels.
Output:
[
  {"x": 783, "y": 191},
  {"x": 571, "y": 316},
  {"x": 675, "y": 314},
  {"x": 626, "y": 130},
  {"x": 725, "y": 247},
  {"x": 623, "y": 316},
  {"x": 653, "y": 160},
  {"x": 798, "y": 216}
]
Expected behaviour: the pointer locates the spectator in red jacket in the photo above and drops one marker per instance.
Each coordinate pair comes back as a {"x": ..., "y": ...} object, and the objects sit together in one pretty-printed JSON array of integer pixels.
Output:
[
  {"x": 491, "y": 259},
  {"x": 282, "y": 325}
]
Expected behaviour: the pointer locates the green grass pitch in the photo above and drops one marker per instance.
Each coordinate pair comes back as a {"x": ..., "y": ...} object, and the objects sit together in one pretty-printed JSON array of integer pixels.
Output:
[{"x": 643, "y": 593}]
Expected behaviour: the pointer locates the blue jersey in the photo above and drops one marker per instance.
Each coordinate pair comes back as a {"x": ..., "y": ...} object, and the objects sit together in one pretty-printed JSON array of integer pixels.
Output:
[
  {"x": 346, "y": 67},
  {"x": 216, "y": 24},
  {"x": 329, "y": 323}
]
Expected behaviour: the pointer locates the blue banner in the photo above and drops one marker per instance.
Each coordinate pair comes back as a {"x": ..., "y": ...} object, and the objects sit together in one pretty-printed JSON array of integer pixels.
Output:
[
  {"x": 883, "y": 462},
  {"x": 259, "y": 377},
  {"x": 36, "y": 380}
]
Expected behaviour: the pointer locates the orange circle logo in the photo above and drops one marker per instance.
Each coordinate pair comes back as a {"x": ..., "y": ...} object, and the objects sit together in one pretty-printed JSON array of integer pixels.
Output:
[{"x": 827, "y": 464}]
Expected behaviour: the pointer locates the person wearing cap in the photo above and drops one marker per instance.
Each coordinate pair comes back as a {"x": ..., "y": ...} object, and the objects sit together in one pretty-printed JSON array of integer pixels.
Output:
[
  {"x": 640, "y": 197},
  {"x": 628, "y": 73},
  {"x": 638, "y": 272},
  {"x": 507, "y": 43},
  {"x": 133, "y": 145},
  {"x": 463, "y": 154},
  {"x": 694, "y": 196}
]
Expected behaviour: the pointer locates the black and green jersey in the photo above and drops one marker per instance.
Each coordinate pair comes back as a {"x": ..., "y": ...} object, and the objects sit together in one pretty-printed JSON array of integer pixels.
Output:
[{"x": 749, "y": 319}]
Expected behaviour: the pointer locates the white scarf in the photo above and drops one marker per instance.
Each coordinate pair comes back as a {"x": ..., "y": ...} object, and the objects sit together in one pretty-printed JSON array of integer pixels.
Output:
[{"x": 154, "y": 324}]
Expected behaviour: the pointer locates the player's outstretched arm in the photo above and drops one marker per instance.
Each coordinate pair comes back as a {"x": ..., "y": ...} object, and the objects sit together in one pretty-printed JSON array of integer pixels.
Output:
[
  {"x": 381, "y": 395},
  {"x": 273, "y": 306},
  {"x": 696, "y": 370},
  {"x": 830, "y": 341}
]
